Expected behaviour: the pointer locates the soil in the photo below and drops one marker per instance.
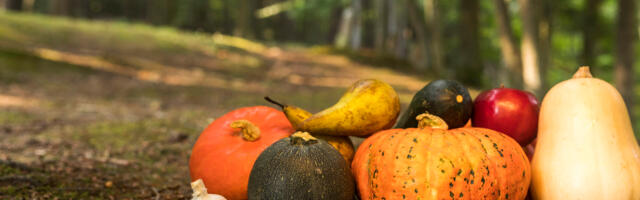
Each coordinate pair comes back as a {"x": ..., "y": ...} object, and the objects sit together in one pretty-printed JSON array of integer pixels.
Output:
[{"x": 78, "y": 122}]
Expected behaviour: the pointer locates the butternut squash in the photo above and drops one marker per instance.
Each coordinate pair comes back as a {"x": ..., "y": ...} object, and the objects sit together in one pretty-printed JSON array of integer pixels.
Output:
[{"x": 586, "y": 148}]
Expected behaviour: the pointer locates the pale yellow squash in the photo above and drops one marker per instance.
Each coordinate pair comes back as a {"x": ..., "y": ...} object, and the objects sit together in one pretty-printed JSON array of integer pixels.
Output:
[{"x": 586, "y": 148}]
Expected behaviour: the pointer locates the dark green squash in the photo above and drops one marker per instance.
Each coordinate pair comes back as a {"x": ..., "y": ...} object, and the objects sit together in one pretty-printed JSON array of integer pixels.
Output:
[
  {"x": 446, "y": 99},
  {"x": 301, "y": 167}
]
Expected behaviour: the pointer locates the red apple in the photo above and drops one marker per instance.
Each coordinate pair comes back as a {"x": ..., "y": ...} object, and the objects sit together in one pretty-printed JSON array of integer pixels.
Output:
[
  {"x": 530, "y": 149},
  {"x": 510, "y": 111}
]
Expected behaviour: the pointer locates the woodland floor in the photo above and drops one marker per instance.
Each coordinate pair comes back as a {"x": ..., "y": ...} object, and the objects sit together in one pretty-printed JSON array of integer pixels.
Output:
[{"x": 110, "y": 110}]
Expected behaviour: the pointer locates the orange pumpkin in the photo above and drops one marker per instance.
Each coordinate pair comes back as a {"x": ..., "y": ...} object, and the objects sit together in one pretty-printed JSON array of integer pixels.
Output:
[
  {"x": 226, "y": 150},
  {"x": 436, "y": 163}
]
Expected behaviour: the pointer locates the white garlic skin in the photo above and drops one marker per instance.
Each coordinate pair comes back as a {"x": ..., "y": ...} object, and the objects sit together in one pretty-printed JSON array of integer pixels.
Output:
[{"x": 200, "y": 192}]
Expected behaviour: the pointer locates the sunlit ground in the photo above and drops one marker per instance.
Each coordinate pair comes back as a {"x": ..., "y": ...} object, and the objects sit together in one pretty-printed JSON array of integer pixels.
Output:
[{"x": 112, "y": 109}]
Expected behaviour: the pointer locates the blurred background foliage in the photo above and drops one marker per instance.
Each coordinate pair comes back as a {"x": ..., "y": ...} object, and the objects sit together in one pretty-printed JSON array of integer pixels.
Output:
[
  {"x": 520, "y": 43},
  {"x": 450, "y": 39}
]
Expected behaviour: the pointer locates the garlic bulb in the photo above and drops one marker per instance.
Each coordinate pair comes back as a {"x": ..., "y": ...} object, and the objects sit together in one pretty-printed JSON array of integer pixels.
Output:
[{"x": 200, "y": 192}]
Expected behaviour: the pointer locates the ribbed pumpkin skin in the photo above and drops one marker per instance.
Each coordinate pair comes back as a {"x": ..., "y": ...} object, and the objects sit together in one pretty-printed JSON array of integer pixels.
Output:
[
  {"x": 464, "y": 163},
  {"x": 223, "y": 160}
]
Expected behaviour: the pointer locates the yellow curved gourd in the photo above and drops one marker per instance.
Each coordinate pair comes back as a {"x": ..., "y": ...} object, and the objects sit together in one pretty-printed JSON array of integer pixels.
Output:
[{"x": 586, "y": 148}]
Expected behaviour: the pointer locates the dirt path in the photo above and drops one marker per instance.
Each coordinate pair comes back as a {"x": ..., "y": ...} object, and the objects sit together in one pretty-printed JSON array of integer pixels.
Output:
[{"x": 88, "y": 119}]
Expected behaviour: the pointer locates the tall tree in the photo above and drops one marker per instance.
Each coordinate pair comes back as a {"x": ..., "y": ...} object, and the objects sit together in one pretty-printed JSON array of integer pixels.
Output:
[
  {"x": 380, "y": 8},
  {"x": 416, "y": 21},
  {"x": 529, "y": 47},
  {"x": 41, "y": 6},
  {"x": 61, "y": 7},
  {"x": 344, "y": 29},
  {"x": 508, "y": 48},
  {"x": 245, "y": 18},
  {"x": 15, "y": 5},
  {"x": 626, "y": 36},
  {"x": 544, "y": 38},
  {"x": 133, "y": 10},
  {"x": 334, "y": 22},
  {"x": 590, "y": 29},
  {"x": 158, "y": 12},
  {"x": 469, "y": 38},
  {"x": 398, "y": 29},
  {"x": 355, "y": 37},
  {"x": 435, "y": 36},
  {"x": 350, "y": 30}
]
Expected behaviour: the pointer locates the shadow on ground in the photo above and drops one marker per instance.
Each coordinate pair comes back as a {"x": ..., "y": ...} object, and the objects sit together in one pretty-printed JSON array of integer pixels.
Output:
[{"x": 111, "y": 110}]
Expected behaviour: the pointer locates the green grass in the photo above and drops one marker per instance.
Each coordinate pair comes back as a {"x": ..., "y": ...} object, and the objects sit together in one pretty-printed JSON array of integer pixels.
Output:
[
  {"x": 136, "y": 120},
  {"x": 19, "y": 67},
  {"x": 119, "y": 36},
  {"x": 15, "y": 117}
]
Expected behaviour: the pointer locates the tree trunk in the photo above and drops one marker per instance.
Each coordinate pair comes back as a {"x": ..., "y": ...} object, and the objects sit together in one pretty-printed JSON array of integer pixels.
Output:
[
  {"x": 590, "y": 30},
  {"x": 401, "y": 36},
  {"x": 380, "y": 7},
  {"x": 529, "y": 48},
  {"x": 435, "y": 40},
  {"x": 355, "y": 37},
  {"x": 344, "y": 30},
  {"x": 416, "y": 20},
  {"x": 42, "y": 6},
  {"x": 61, "y": 7},
  {"x": 392, "y": 33},
  {"x": 227, "y": 25},
  {"x": 350, "y": 31},
  {"x": 334, "y": 26},
  {"x": 157, "y": 12},
  {"x": 244, "y": 19},
  {"x": 544, "y": 42},
  {"x": 626, "y": 35},
  {"x": 510, "y": 53},
  {"x": 469, "y": 72},
  {"x": 14, "y": 5}
]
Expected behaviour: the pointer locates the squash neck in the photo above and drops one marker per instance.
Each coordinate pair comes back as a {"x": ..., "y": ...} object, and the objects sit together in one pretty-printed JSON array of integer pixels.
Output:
[
  {"x": 249, "y": 131},
  {"x": 583, "y": 72}
]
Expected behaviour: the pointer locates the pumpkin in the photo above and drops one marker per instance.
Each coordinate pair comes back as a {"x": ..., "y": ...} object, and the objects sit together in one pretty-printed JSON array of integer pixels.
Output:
[
  {"x": 432, "y": 162},
  {"x": 225, "y": 151},
  {"x": 301, "y": 167},
  {"x": 446, "y": 99},
  {"x": 585, "y": 147}
]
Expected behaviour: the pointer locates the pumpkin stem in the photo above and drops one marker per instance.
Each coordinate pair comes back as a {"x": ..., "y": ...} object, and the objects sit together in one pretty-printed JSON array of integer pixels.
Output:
[
  {"x": 250, "y": 132},
  {"x": 429, "y": 120},
  {"x": 274, "y": 102},
  {"x": 302, "y": 137},
  {"x": 583, "y": 72}
]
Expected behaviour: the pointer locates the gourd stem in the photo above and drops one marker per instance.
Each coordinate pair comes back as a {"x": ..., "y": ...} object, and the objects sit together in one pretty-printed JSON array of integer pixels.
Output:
[
  {"x": 583, "y": 72},
  {"x": 302, "y": 137},
  {"x": 274, "y": 102},
  {"x": 250, "y": 132},
  {"x": 432, "y": 121}
]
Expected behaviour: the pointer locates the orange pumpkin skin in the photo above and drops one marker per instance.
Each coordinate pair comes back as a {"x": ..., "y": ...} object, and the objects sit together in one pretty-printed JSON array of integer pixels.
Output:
[
  {"x": 463, "y": 163},
  {"x": 223, "y": 159}
]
